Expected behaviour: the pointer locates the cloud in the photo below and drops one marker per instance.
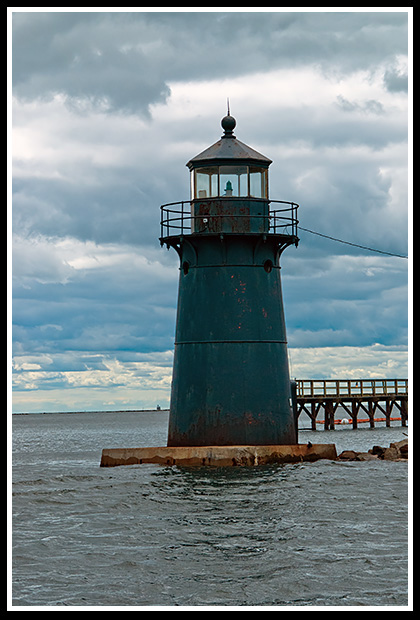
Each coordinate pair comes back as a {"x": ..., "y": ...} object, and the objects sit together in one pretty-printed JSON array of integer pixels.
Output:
[
  {"x": 107, "y": 109},
  {"x": 91, "y": 298},
  {"x": 97, "y": 383},
  {"x": 345, "y": 300},
  {"x": 343, "y": 164},
  {"x": 396, "y": 76},
  {"x": 88, "y": 57},
  {"x": 374, "y": 362},
  {"x": 126, "y": 60},
  {"x": 369, "y": 107}
]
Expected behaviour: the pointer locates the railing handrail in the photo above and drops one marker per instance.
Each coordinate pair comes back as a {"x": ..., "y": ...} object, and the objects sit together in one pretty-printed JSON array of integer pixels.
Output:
[
  {"x": 173, "y": 220},
  {"x": 350, "y": 387}
]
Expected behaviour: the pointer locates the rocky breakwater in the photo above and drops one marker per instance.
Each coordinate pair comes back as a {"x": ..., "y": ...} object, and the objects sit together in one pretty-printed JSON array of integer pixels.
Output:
[{"x": 397, "y": 451}]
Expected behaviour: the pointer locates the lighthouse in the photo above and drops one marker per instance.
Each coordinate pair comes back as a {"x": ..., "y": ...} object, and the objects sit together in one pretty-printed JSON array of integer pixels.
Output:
[
  {"x": 230, "y": 383},
  {"x": 231, "y": 397}
]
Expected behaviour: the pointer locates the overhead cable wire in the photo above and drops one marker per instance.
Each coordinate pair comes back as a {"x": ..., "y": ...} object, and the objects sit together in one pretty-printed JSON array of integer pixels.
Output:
[{"x": 356, "y": 245}]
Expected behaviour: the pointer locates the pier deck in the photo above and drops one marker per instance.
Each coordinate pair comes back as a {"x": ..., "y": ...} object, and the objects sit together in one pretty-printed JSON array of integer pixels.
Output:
[{"x": 354, "y": 396}]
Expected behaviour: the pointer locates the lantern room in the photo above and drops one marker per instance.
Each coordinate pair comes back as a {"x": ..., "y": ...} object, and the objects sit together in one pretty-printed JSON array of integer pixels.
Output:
[
  {"x": 229, "y": 186},
  {"x": 239, "y": 181},
  {"x": 229, "y": 168},
  {"x": 229, "y": 194}
]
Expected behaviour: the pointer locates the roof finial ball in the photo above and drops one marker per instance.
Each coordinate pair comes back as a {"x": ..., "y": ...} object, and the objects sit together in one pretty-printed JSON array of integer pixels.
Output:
[{"x": 228, "y": 124}]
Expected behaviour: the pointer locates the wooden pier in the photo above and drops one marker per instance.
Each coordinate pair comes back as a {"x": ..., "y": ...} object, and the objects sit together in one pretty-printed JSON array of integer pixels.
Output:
[{"x": 354, "y": 396}]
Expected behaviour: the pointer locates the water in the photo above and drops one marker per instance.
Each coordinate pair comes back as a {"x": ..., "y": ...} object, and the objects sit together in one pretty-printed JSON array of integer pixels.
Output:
[{"x": 330, "y": 534}]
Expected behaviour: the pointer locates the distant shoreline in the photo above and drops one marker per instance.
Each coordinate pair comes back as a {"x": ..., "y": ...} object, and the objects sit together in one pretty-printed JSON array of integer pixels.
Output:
[{"x": 93, "y": 411}]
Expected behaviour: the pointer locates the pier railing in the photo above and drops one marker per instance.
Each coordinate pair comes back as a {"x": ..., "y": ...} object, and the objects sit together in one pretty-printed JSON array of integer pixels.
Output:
[
  {"x": 352, "y": 396},
  {"x": 317, "y": 388}
]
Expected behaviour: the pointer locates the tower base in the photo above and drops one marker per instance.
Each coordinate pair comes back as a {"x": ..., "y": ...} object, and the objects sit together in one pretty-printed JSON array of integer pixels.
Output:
[{"x": 219, "y": 456}]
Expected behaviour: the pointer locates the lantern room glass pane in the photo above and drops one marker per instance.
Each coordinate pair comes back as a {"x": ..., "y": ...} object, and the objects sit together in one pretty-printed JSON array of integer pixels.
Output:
[
  {"x": 257, "y": 182},
  {"x": 206, "y": 185},
  {"x": 234, "y": 180}
]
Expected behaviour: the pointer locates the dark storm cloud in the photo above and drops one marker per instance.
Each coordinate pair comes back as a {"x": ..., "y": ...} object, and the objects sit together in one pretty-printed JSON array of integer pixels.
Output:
[
  {"x": 348, "y": 300},
  {"x": 116, "y": 300},
  {"x": 126, "y": 60},
  {"x": 396, "y": 81},
  {"x": 82, "y": 56},
  {"x": 57, "y": 208}
]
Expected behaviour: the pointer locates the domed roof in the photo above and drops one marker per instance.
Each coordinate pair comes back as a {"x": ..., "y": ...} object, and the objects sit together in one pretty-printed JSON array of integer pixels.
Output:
[{"x": 228, "y": 148}]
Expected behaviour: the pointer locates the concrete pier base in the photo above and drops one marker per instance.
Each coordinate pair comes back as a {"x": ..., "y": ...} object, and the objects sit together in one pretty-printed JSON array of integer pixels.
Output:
[{"x": 220, "y": 456}]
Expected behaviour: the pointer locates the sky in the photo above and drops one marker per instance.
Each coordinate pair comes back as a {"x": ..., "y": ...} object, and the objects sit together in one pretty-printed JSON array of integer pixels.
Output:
[{"x": 107, "y": 106}]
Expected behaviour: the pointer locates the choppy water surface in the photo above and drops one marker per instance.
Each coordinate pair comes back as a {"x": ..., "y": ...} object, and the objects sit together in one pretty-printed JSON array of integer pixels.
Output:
[{"x": 311, "y": 534}]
